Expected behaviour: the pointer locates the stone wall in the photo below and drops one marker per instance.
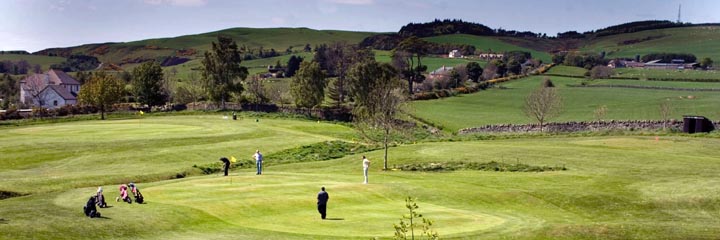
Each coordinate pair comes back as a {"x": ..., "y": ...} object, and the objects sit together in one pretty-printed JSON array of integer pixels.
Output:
[{"x": 578, "y": 126}]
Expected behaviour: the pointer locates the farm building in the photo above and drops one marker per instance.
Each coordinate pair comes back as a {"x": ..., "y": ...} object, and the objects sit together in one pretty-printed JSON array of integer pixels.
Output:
[
  {"x": 656, "y": 64},
  {"x": 455, "y": 54},
  {"x": 52, "y": 89},
  {"x": 440, "y": 72},
  {"x": 488, "y": 56}
]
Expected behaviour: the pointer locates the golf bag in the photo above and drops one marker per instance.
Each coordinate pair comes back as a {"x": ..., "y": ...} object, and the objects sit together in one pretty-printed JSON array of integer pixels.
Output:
[{"x": 89, "y": 208}]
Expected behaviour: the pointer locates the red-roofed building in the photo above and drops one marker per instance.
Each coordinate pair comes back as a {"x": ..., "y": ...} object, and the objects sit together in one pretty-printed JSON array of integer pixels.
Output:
[{"x": 52, "y": 89}]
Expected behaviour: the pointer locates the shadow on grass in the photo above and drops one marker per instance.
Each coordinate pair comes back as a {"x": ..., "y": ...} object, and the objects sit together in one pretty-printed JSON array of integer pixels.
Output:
[
  {"x": 3, "y": 221},
  {"x": 335, "y": 219}
]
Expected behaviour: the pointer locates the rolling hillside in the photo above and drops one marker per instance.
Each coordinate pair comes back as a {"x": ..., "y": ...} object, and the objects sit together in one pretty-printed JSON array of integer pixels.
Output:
[
  {"x": 191, "y": 46},
  {"x": 703, "y": 41}
]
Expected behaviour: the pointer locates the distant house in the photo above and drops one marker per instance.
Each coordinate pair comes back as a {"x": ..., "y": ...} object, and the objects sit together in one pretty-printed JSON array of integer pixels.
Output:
[
  {"x": 440, "y": 72},
  {"x": 49, "y": 90},
  {"x": 455, "y": 54}
]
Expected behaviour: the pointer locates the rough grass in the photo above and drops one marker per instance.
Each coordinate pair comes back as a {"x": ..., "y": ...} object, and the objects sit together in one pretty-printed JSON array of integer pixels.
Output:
[
  {"x": 615, "y": 188},
  {"x": 44, "y": 61},
  {"x": 504, "y": 104}
]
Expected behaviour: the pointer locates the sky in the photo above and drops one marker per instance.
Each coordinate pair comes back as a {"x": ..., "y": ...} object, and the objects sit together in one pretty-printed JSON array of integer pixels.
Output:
[{"x": 34, "y": 25}]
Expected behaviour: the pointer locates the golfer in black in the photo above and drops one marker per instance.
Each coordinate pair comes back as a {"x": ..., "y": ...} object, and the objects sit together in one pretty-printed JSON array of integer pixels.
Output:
[
  {"x": 322, "y": 202},
  {"x": 226, "y": 164}
]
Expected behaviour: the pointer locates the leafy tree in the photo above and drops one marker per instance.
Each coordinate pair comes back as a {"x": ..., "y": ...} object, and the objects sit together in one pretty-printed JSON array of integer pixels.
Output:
[
  {"x": 379, "y": 99},
  {"x": 102, "y": 91},
  {"x": 409, "y": 222},
  {"x": 293, "y": 65},
  {"x": 308, "y": 85},
  {"x": 474, "y": 71},
  {"x": 416, "y": 48},
  {"x": 222, "y": 70},
  {"x": 307, "y": 48},
  {"x": 706, "y": 63},
  {"x": 542, "y": 104},
  {"x": 147, "y": 82}
]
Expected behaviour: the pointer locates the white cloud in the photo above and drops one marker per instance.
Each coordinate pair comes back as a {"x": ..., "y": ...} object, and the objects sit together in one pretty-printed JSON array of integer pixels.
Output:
[
  {"x": 353, "y": 2},
  {"x": 182, "y": 3}
]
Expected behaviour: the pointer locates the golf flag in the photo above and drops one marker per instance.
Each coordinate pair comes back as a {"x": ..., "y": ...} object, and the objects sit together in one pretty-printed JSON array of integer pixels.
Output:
[
  {"x": 232, "y": 159},
  {"x": 141, "y": 113}
]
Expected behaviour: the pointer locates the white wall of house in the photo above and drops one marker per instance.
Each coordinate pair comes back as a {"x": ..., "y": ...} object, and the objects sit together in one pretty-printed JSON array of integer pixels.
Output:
[{"x": 50, "y": 99}]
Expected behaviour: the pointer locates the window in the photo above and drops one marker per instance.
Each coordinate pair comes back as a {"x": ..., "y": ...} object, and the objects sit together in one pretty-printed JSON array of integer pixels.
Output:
[{"x": 55, "y": 103}]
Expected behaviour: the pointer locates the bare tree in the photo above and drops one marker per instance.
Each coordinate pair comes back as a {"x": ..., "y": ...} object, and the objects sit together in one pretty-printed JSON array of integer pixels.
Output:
[
  {"x": 33, "y": 88},
  {"x": 601, "y": 72},
  {"x": 379, "y": 99},
  {"x": 600, "y": 112},
  {"x": 666, "y": 110},
  {"x": 195, "y": 86},
  {"x": 543, "y": 104}
]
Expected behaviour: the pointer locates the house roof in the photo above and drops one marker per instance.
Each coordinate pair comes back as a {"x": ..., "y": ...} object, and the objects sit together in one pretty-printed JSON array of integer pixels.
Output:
[
  {"x": 59, "y": 77},
  {"x": 62, "y": 91}
]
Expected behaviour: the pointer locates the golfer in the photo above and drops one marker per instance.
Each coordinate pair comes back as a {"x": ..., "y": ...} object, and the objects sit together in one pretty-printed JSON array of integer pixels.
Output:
[
  {"x": 226, "y": 164},
  {"x": 258, "y": 161},
  {"x": 366, "y": 166},
  {"x": 322, "y": 198}
]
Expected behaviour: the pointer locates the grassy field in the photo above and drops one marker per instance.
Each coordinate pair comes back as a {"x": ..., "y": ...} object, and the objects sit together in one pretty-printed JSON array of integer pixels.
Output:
[
  {"x": 44, "y": 61},
  {"x": 614, "y": 188},
  {"x": 486, "y": 44},
  {"x": 504, "y": 105},
  {"x": 567, "y": 71},
  {"x": 666, "y": 73},
  {"x": 701, "y": 41}
]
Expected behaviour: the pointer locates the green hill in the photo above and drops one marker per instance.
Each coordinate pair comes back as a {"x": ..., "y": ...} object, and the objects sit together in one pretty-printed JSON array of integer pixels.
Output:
[
  {"x": 44, "y": 61},
  {"x": 703, "y": 41},
  {"x": 486, "y": 44},
  {"x": 192, "y": 46}
]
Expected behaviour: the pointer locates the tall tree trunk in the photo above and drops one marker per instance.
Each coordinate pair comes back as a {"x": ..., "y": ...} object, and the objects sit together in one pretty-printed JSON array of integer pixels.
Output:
[
  {"x": 387, "y": 132},
  {"x": 102, "y": 112}
]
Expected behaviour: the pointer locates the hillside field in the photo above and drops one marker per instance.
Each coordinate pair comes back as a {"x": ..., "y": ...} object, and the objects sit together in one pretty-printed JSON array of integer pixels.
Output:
[
  {"x": 703, "y": 41},
  {"x": 487, "y": 44},
  {"x": 628, "y": 187},
  {"x": 504, "y": 104},
  {"x": 44, "y": 61}
]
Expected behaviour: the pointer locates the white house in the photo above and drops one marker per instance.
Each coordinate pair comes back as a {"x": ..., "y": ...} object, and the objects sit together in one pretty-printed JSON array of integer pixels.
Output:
[
  {"x": 49, "y": 90},
  {"x": 454, "y": 54}
]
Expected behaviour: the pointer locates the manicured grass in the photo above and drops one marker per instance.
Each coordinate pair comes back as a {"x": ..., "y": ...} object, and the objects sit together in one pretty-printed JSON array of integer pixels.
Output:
[
  {"x": 487, "y": 44},
  {"x": 504, "y": 105},
  {"x": 701, "y": 41},
  {"x": 666, "y": 73},
  {"x": 615, "y": 187}
]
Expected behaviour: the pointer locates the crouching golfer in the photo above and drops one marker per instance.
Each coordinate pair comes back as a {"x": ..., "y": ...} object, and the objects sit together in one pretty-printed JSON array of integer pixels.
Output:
[
  {"x": 226, "y": 164},
  {"x": 323, "y": 198}
]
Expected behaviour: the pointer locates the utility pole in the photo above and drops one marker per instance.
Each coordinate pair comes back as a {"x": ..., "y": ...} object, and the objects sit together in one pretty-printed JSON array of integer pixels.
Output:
[{"x": 679, "y": 8}]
